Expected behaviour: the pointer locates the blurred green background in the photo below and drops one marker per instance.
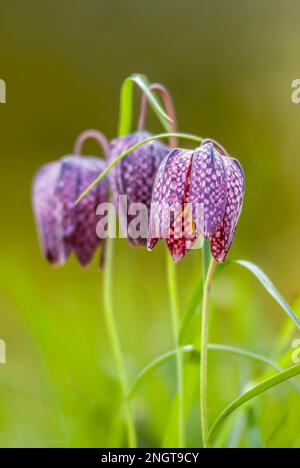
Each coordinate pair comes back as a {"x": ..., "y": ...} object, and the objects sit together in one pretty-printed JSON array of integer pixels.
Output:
[{"x": 229, "y": 65}]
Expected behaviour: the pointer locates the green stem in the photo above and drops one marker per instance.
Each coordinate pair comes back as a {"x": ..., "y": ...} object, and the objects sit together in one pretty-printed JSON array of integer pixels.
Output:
[
  {"x": 115, "y": 342},
  {"x": 179, "y": 356},
  {"x": 206, "y": 259},
  {"x": 204, "y": 354}
]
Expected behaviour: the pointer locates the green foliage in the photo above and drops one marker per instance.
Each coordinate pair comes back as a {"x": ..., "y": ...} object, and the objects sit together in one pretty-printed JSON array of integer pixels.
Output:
[
  {"x": 126, "y": 103},
  {"x": 269, "y": 286},
  {"x": 253, "y": 393},
  {"x": 59, "y": 387}
]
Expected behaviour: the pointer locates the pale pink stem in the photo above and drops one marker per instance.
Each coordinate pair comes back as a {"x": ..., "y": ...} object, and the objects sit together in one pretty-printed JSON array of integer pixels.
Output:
[
  {"x": 95, "y": 135},
  {"x": 170, "y": 109},
  {"x": 215, "y": 143}
]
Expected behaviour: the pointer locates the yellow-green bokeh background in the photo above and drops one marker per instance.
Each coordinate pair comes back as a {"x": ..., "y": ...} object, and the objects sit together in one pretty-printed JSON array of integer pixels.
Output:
[{"x": 229, "y": 65}]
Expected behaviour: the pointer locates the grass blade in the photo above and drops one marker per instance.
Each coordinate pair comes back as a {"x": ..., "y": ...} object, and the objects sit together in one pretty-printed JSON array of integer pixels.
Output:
[
  {"x": 269, "y": 286},
  {"x": 126, "y": 103},
  {"x": 252, "y": 393},
  {"x": 195, "y": 301},
  {"x": 190, "y": 349},
  {"x": 190, "y": 310},
  {"x": 187, "y": 136},
  {"x": 276, "y": 429},
  {"x": 157, "y": 362}
]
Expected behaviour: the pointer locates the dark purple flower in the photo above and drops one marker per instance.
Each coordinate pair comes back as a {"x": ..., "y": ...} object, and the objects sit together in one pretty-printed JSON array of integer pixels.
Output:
[
  {"x": 62, "y": 226},
  {"x": 134, "y": 175},
  {"x": 208, "y": 189}
]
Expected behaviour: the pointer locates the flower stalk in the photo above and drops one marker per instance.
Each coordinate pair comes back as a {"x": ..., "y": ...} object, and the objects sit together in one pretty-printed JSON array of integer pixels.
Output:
[
  {"x": 204, "y": 353},
  {"x": 94, "y": 135},
  {"x": 171, "y": 268},
  {"x": 108, "y": 295},
  {"x": 115, "y": 342},
  {"x": 173, "y": 293}
]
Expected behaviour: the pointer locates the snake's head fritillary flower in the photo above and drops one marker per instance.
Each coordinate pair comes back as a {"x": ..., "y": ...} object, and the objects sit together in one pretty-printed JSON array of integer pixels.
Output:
[
  {"x": 64, "y": 227},
  {"x": 134, "y": 175},
  {"x": 207, "y": 188}
]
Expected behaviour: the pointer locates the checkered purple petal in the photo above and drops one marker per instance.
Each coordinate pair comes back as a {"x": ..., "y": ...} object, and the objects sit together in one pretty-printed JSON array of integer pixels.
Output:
[
  {"x": 134, "y": 175},
  {"x": 62, "y": 226},
  {"x": 169, "y": 196},
  {"x": 48, "y": 210},
  {"x": 221, "y": 241},
  {"x": 208, "y": 189},
  {"x": 85, "y": 239}
]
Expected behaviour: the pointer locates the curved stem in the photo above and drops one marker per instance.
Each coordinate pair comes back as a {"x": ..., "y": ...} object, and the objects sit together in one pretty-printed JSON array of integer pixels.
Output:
[
  {"x": 217, "y": 144},
  {"x": 170, "y": 108},
  {"x": 95, "y": 135},
  {"x": 115, "y": 342},
  {"x": 192, "y": 350},
  {"x": 108, "y": 294},
  {"x": 204, "y": 353},
  {"x": 160, "y": 136}
]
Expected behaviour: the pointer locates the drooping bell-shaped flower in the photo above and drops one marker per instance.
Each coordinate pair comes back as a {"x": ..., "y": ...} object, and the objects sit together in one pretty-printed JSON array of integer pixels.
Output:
[
  {"x": 207, "y": 189},
  {"x": 64, "y": 227},
  {"x": 134, "y": 176}
]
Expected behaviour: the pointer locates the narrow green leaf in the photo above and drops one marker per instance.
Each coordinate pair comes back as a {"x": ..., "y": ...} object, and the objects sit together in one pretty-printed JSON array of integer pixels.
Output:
[
  {"x": 190, "y": 310},
  {"x": 246, "y": 354},
  {"x": 191, "y": 383},
  {"x": 237, "y": 432},
  {"x": 269, "y": 286},
  {"x": 252, "y": 393},
  {"x": 126, "y": 103},
  {"x": 253, "y": 432},
  {"x": 276, "y": 429},
  {"x": 149, "y": 368},
  {"x": 170, "y": 433},
  {"x": 196, "y": 299},
  {"x": 186, "y": 136},
  {"x": 190, "y": 349}
]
